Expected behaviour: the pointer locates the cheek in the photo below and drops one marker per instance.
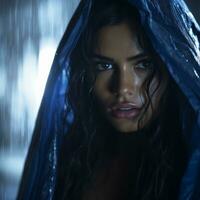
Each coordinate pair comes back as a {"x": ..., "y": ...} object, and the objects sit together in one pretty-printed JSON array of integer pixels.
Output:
[{"x": 101, "y": 86}]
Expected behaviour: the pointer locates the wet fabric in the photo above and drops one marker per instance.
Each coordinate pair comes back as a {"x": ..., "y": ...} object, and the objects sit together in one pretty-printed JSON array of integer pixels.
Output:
[{"x": 174, "y": 34}]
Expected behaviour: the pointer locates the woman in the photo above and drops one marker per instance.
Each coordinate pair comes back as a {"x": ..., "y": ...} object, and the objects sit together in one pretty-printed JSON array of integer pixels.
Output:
[{"x": 120, "y": 126}]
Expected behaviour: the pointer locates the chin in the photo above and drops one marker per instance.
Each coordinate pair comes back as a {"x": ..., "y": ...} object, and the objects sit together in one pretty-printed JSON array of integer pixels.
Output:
[{"x": 125, "y": 128}]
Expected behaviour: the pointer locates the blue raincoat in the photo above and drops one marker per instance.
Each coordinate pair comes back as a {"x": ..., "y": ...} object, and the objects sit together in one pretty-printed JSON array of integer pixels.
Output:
[{"x": 175, "y": 36}]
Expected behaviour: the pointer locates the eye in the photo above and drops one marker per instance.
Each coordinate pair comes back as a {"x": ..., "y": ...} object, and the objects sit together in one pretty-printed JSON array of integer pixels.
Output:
[
  {"x": 146, "y": 64},
  {"x": 103, "y": 66}
]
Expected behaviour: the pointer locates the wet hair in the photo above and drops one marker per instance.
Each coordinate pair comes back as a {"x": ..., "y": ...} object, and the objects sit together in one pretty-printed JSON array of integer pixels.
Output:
[{"x": 91, "y": 141}]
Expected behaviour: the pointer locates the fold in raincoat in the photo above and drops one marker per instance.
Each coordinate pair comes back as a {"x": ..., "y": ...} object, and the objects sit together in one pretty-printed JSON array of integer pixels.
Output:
[{"x": 174, "y": 34}]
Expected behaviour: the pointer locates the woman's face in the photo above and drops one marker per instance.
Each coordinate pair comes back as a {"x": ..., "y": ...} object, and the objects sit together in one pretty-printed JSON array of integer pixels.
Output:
[{"x": 121, "y": 67}]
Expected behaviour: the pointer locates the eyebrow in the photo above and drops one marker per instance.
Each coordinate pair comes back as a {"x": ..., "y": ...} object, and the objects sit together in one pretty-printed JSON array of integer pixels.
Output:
[
  {"x": 101, "y": 57},
  {"x": 138, "y": 56},
  {"x": 108, "y": 59}
]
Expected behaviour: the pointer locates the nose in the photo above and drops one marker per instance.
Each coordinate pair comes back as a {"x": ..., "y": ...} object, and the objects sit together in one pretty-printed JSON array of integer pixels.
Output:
[{"x": 127, "y": 83}]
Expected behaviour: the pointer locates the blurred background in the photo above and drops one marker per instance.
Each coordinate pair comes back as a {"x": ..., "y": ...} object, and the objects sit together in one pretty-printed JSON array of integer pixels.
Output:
[{"x": 30, "y": 31}]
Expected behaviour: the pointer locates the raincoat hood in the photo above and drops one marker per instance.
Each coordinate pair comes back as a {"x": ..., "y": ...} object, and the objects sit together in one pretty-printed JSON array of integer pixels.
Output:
[{"x": 174, "y": 34}]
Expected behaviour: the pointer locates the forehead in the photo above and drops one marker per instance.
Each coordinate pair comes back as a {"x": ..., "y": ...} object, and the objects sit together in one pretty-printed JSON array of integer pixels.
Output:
[{"x": 118, "y": 41}]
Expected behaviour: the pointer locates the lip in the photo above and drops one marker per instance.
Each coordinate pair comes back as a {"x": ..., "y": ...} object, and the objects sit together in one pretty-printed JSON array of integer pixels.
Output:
[{"x": 127, "y": 110}]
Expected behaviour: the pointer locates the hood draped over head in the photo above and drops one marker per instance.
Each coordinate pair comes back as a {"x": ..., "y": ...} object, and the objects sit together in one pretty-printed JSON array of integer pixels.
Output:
[{"x": 174, "y": 34}]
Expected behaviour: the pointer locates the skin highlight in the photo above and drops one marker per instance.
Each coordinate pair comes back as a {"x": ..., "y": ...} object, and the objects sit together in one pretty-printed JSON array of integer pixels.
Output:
[{"x": 122, "y": 66}]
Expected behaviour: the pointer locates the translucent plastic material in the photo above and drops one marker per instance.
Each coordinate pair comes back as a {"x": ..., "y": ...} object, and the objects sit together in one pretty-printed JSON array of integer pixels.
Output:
[{"x": 175, "y": 36}]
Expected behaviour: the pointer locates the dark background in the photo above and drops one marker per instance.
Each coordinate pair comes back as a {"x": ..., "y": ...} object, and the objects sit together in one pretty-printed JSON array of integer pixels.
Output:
[{"x": 29, "y": 34}]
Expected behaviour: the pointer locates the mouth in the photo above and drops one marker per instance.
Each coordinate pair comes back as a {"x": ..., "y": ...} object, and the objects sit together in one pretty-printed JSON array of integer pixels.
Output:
[{"x": 125, "y": 110}]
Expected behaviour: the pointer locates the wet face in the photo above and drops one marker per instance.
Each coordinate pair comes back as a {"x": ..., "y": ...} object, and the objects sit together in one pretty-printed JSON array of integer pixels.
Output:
[{"x": 121, "y": 68}]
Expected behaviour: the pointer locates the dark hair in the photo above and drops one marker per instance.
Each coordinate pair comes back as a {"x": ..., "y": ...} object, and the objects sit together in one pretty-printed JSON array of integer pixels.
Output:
[{"x": 91, "y": 142}]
